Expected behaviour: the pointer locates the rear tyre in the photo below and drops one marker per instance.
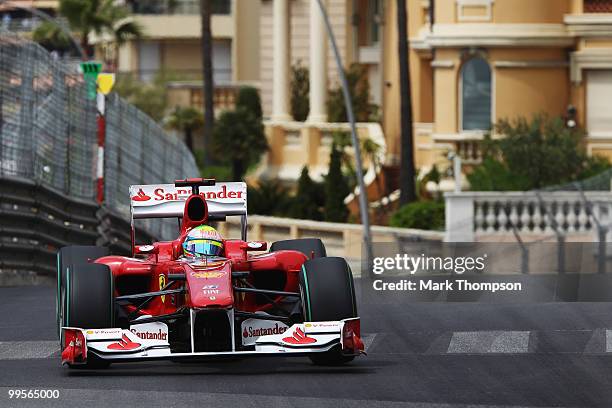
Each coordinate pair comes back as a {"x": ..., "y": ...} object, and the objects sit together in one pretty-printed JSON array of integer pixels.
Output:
[
  {"x": 307, "y": 246},
  {"x": 328, "y": 293},
  {"x": 66, "y": 257},
  {"x": 89, "y": 301}
]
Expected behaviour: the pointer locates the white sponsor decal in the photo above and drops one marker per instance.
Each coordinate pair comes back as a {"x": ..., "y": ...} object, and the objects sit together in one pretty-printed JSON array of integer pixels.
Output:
[
  {"x": 156, "y": 332},
  {"x": 254, "y": 244},
  {"x": 254, "y": 328},
  {"x": 322, "y": 327},
  {"x": 102, "y": 334}
]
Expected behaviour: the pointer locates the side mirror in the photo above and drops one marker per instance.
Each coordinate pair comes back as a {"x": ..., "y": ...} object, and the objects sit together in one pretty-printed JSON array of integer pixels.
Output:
[
  {"x": 145, "y": 249},
  {"x": 255, "y": 246}
]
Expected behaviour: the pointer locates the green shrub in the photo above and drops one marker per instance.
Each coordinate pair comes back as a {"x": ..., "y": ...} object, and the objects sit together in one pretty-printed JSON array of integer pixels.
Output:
[
  {"x": 309, "y": 199},
  {"x": 269, "y": 198},
  {"x": 427, "y": 215},
  {"x": 248, "y": 98},
  {"x": 300, "y": 88},
  {"x": 534, "y": 154},
  {"x": 359, "y": 88},
  {"x": 336, "y": 189},
  {"x": 239, "y": 137}
]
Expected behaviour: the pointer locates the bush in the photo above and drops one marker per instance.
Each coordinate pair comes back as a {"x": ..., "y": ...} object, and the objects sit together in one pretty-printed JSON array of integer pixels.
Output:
[
  {"x": 427, "y": 215},
  {"x": 336, "y": 189},
  {"x": 309, "y": 199},
  {"x": 359, "y": 88},
  {"x": 534, "y": 154},
  {"x": 248, "y": 98},
  {"x": 269, "y": 198},
  {"x": 300, "y": 88}
]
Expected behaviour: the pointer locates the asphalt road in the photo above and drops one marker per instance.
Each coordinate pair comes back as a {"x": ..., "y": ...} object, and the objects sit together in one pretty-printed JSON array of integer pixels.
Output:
[{"x": 419, "y": 355}]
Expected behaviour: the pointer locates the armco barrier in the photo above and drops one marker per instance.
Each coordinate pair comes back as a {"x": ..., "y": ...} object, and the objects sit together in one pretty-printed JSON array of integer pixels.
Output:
[{"x": 38, "y": 220}]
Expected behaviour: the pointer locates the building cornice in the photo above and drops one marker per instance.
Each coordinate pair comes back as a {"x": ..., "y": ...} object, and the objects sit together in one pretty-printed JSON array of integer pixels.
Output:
[
  {"x": 499, "y": 35},
  {"x": 531, "y": 64},
  {"x": 588, "y": 25},
  {"x": 588, "y": 59}
]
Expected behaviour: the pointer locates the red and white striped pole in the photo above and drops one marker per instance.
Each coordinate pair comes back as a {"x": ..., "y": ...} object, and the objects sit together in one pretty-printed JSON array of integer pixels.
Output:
[
  {"x": 104, "y": 84},
  {"x": 101, "y": 104}
]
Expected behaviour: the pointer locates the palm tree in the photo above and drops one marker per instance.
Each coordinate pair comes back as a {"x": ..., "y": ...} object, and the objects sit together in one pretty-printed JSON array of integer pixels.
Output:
[
  {"x": 51, "y": 36},
  {"x": 207, "y": 76},
  {"x": 407, "y": 172},
  {"x": 186, "y": 120},
  {"x": 102, "y": 17}
]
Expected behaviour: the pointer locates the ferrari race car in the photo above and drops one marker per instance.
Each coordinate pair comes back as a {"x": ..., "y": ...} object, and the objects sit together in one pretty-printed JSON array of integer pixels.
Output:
[{"x": 203, "y": 296}]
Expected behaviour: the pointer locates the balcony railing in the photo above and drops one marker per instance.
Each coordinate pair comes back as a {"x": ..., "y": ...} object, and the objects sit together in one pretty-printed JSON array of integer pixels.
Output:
[
  {"x": 177, "y": 6},
  {"x": 598, "y": 6}
]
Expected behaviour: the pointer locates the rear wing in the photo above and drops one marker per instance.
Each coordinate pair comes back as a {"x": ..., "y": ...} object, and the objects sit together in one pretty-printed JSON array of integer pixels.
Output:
[{"x": 167, "y": 200}]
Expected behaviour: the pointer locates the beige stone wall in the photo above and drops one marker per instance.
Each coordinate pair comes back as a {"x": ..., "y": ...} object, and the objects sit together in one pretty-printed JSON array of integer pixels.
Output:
[{"x": 246, "y": 49}]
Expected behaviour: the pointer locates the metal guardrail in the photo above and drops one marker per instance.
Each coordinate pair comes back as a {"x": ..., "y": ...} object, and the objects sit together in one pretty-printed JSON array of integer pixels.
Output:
[{"x": 38, "y": 220}]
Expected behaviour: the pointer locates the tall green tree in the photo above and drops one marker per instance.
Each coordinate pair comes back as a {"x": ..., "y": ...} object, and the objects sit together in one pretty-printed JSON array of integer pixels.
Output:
[
  {"x": 308, "y": 199},
  {"x": 248, "y": 98},
  {"x": 407, "y": 170},
  {"x": 207, "y": 76},
  {"x": 336, "y": 189},
  {"x": 102, "y": 17},
  {"x": 186, "y": 120},
  {"x": 238, "y": 137}
]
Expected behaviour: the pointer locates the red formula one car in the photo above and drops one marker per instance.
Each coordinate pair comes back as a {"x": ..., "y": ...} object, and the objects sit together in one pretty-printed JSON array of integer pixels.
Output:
[{"x": 203, "y": 296}]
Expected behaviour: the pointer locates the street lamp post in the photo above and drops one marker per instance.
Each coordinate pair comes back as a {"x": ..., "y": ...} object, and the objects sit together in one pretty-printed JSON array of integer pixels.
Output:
[{"x": 363, "y": 199}]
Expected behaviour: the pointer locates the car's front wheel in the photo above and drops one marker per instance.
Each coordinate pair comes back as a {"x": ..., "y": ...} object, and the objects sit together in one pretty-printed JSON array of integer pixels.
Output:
[
  {"x": 89, "y": 301},
  {"x": 328, "y": 293}
]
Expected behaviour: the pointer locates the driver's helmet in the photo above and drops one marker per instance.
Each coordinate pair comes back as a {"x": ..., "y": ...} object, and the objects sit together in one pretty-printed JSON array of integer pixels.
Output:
[{"x": 203, "y": 241}]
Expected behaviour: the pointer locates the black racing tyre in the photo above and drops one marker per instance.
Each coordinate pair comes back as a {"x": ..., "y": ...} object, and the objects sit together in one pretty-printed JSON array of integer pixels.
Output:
[
  {"x": 304, "y": 245},
  {"x": 89, "y": 301},
  {"x": 328, "y": 293},
  {"x": 66, "y": 257}
]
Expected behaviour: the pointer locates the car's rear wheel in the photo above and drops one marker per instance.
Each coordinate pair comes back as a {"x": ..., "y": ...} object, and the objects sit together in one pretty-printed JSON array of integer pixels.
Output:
[
  {"x": 89, "y": 301},
  {"x": 328, "y": 293},
  {"x": 67, "y": 258},
  {"x": 307, "y": 246}
]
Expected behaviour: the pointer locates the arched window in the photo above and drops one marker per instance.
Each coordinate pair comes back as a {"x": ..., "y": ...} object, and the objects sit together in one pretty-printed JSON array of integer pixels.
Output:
[{"x": 476, "y": 95}]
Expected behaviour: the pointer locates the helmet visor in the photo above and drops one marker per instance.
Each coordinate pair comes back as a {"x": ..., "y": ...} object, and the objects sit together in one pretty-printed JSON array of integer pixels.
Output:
[{"x": 202, "y": 247}]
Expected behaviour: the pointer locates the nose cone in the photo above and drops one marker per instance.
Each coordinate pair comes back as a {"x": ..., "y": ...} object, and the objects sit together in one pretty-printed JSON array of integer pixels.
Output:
[{"x": 209, "y": 284}]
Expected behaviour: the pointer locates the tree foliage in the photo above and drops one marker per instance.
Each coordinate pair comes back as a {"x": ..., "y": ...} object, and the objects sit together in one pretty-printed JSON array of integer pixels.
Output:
[
  {"x": 309, "y": 199},
  {"x": 248, "y": 98},
  {"x": 300, "y": 89},
  {"x": 534, "y": 154},
  {"x": 148, "y": 97},
  {"x": 238, "y": 138},
  {"x": 187, "y": 120},
  {"x": 428, "y": 215},
  {"x": 269, "y": 198},
  {"x": 336, "y": 189},
  {"x": 359, "y": 89},
  {"x": 102, "y": 17}
]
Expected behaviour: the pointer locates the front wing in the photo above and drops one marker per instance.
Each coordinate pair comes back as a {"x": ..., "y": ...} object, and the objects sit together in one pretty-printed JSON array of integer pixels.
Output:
[{"x": 123, "y": 345}]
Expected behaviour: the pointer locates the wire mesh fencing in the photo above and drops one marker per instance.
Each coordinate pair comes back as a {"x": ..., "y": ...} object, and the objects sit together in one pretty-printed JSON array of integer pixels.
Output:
[
  {"x": 47, "y": 126},
  {"x": 138, "y": 151},
  {"x": 48, "y": 133}
]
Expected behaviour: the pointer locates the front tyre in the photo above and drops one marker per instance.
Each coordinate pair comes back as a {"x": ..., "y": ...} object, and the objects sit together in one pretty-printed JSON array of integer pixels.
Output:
[
  {"x": 89, "y": 302},
  {"x": 328, "y": 294},
  {"x": 67, "y": 258}
]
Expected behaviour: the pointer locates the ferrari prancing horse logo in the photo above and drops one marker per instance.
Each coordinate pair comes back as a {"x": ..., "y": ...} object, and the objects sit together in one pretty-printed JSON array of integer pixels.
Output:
[{"x": 162, "y": 284}]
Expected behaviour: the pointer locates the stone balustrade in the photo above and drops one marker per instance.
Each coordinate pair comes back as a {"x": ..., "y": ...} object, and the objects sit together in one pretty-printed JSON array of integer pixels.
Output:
[{"x": 471, "y": 216}]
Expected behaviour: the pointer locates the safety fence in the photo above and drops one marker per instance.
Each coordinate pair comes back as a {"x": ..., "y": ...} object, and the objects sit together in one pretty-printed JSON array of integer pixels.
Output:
[{"x": 49, "y": 159}]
